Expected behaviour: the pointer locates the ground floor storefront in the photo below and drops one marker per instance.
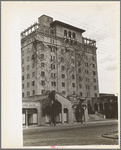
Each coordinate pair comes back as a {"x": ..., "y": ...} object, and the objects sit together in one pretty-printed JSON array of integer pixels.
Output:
[{"x": 32, "y": 111}]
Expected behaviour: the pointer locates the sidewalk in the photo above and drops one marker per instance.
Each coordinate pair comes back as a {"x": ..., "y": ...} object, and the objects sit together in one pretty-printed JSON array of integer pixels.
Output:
[{"x": 66, "y": 125}]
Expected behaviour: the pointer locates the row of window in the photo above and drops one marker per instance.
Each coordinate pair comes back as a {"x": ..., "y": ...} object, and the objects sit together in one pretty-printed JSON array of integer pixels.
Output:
[
  {"x": 69, "y": 34},
  {"x": 28, "y": 75},
  {"x": 63, "y": 92},
  {"x": 33, "y": 57},
  {"x": 28, "y": 84},
  {"x": 27, "y": 51},
  {"x": 28, "y": 93}
]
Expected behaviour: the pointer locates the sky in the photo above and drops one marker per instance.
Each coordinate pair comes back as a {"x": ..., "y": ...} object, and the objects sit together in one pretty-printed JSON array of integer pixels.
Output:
[{"x": 101, "y": 22}]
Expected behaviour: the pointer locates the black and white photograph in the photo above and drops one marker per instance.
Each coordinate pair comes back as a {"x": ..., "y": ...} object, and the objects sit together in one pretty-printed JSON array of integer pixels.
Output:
[{"x": 60, "y": 74}]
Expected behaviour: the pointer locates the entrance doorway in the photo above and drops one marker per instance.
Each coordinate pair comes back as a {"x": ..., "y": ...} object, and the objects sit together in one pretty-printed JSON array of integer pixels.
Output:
[{"x": 29, "y": 116}]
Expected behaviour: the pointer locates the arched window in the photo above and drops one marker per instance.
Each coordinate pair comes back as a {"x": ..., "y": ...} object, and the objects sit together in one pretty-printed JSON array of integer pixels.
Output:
[
  {"x": 69, "y": 34},
  {"x": 74, "y": 36},
  {"x": 65, "y": 33}
]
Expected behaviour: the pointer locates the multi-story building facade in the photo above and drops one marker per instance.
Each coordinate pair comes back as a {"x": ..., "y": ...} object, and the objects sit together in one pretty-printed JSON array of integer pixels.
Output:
[{"x": 55, "y": 56}]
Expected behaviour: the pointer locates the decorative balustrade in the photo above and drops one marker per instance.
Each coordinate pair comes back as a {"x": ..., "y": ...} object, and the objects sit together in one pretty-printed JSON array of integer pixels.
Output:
[
  {"x": 38, "y": 27},
  {"x": 88, "y": 41}
]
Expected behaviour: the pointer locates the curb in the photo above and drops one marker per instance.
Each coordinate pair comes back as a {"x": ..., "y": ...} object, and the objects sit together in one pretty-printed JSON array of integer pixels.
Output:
[{"x": 68, "y": 125}]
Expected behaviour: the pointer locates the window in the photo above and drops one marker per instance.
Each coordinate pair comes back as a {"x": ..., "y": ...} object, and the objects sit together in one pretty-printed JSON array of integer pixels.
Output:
[
  {"x": 43, "y": 83},
  {"x": 22, "y": 86},
  {"x": 33, "y": 65},
  {"x": 95, "y": 94},
  {"x": 80, "y": 86},
  {"x": 63, "y": 76},
  {"x": 73, "y": 76},
  {"x": 69, "y": 34},
  {"x": 33, "y": 83},
  {"x": 51, "y": 41},
  {"x": 62, "y": 59},
  {"x": 94, "y": 80},
  {"x": 79, "y": 70},
  {"x": 72, "y": 61},
  {"x": 42, "y": 73},
  {"x": 28, "y": 58},
  {"x": 43, "y": 92},
  {"x": 65, "y": 33},
  {"x": 79, "y": 63},
  {"x": 95, "y": 87},
  {"x": 73, "y": 92},
  {"x": 22, "y": 77},
  {"x": 63, "y": 84},
  {"x": 79, "y": 78},
  {"x": 28, "y": 76},
  {"x": 81, "y": 94},
  {"x": 62, "y": 51},
  {"x": 33, "y": 92},
  {"x": 53, "y": 48},
  {"x": 86, "y": 57},
  {"x": 87, "y": 71},
  {"x": 72, "y": 53},
  {"x": 54, "y": 75},
  {"x": 42, "y": 56},
  {"x": 52, "y": 66},
  {"x": 23, "y": 94},
  {"x": 74, "y": 36},
  {"x": 88, "y": 87},
  {"x": 87, "y": 64},
  {"x": 93, "y": 58},
  {"x": 22, "y": 61},
  {"x": 28, "y": 93},
  {"x": 33, "y": 74},
  {"x": 53, "y": 58},
  {"x": 94, "y": 73},
  {"x": 62, "y": 68},
  {"x": 73, "y": 84},
  {"x": 28, "y": 84},
  {"x": 63, "y": 92},
  {"x": 28, "y": 67},
  {"x": 42, "y": 65},
  {"x": 93, "y": 65},
  {"x": 53, "y": 83},
  {"x": 22, "y": 69}
]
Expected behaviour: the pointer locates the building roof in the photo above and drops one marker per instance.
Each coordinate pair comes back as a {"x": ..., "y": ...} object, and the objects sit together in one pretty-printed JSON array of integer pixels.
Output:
[
  {"x": 105, "y": 94},
  {"x": 67, "y": 25}
]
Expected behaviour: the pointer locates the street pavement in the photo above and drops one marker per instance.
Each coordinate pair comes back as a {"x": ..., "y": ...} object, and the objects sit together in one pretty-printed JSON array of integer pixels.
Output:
[{"x": 90, "y": 133}]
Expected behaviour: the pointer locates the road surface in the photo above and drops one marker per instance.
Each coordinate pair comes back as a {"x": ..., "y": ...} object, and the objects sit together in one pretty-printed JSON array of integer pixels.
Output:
[{"x": 82, "y": 134}]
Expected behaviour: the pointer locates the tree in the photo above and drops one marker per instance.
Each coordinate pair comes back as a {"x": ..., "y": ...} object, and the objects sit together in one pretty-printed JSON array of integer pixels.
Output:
[
  {"x": 51, "y": 107},
  {"x": 79, "y": 111}
]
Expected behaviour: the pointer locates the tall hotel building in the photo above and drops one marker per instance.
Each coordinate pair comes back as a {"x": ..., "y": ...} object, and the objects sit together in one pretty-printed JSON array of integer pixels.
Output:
[{"x": 55, "y": 56}]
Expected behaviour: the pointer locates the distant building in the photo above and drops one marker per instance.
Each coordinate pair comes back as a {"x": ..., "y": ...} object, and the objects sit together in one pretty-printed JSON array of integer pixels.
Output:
[
  {"x": 105, "y": 104},
  {"x": 55, "y": 56}
]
